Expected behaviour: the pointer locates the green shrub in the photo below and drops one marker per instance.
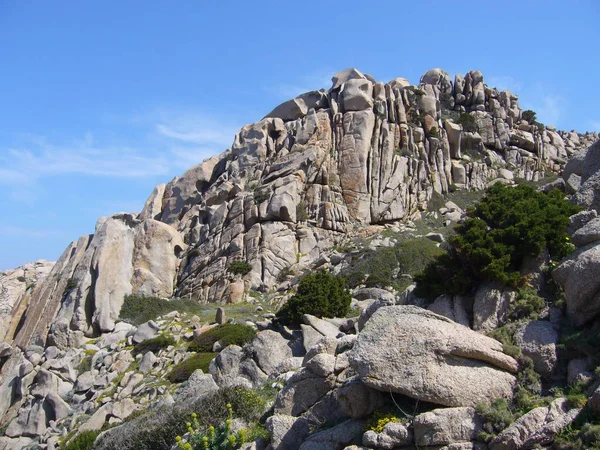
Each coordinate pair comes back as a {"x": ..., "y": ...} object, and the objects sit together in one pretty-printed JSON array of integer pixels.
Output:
[
  {"x": 85, "y": 364},
  {"x": 138, "y": 309},
  {"x": 529, "y": 116},
  {"x": 496, "y": 417},
  {"x": 83, "y": 441},
  {"x": 226, "y": 334},
  {"x": 507, "y": 225},
  {"x": 21, "y": 279},
  {"x": 580, "y": 343},
  {"x": 239, "y": 267},
  {"x": 182, "y": 371},
  {"x": 157, "y": 429},
  {"x": 214, "y": 438},
  {"x": 381, "y": 417},
  {"x": 153, "y": 345},
  {"x": 320, "y": 294},
  {"x": 301, "y": 213},
  {"x": 468, "y": 122},
  {"x": 527, "y": 305}
]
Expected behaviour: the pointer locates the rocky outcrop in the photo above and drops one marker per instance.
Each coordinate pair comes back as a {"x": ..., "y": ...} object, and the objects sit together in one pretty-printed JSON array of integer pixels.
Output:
[
  {"x": 85, "y": 290},
  {"x": 16, "y": 288},
  {"x": 327, "y": 162},
  {"x": 417, "y": 353},
  {"x": 538, "y": 427}
]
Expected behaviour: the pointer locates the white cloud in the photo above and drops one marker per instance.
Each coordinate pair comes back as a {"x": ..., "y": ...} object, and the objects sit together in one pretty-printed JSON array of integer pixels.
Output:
[
  {"x": 171, "y": 143},
  {"x": 11, "y": 231},
  {"x": 505, "y": 83},
  {"x": 549, "y": 107},
  {"x": 304, "y": 83}
]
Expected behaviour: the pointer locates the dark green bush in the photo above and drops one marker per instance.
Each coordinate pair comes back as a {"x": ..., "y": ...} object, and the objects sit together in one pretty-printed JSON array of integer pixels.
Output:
[
  {"x": 468, "y": 122},
  {"x": 83, "y": 441},
  {"x": 153, "y": 345},
  {"x": 137, "y": 309},
  {"x": 507, "y": 225},
  {"x": 529, "y": 116},
  {"x": 227, "y": 334},
  {"x": 182, "y": 371},
  {"x": 320, "y": 294},
  {"x": 239, "y": 267}
]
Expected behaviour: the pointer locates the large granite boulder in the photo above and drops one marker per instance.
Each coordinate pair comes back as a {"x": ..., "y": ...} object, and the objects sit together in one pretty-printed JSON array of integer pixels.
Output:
[
  {"x": 578, "y": 277},
  {"x": 417, "y": 353}
]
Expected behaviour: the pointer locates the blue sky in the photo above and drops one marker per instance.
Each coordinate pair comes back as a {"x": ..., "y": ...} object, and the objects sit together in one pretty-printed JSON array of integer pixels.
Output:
[{"x": 101, "y": 101}]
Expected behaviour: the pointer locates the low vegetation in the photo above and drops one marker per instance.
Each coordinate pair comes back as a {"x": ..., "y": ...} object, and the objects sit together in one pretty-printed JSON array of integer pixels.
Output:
[
  {"x": 239, "y": 268},
  {"x": 214, "y": 438},
  {"x": 83, "y": 441},
  {"x": 383, "y": 267},
  {"x": 226, "y": 334},
  {"x": 139, "y": 309},
  {"x": 182, "y": 371},
  {"x": 153, "y": 345},
  {"x": 320, "y": 294},
  {"x": 468, "y": 122}
]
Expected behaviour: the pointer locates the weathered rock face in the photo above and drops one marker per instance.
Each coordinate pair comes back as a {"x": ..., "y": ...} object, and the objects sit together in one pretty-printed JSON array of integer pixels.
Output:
[
  {"x": 85, "y": 290},
  {"x": 16, "y": 288},
  {"x": 417, "y": 353},
  {"x": 322, "y": 164},
  {"x": 538, "y": 427}
]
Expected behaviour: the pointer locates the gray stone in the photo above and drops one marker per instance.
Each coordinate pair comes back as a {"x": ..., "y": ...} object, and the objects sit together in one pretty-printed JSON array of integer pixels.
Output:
[
  {"x": 322, "y": 364},
  {"x": 491, "y": 306},
  {"x": 576, "y": 221},
  {"x": 446, "y": 426},
  {"x": 339, "y": 436},
  {"x": 302, "y": 390},
  {"x": 270, "y": 349},
  {"x": 412, "y": 351},
  {"x": 538, "y": 340},
  {"x": 198, "y": 384},
  {"x": 146, "y": 331},
  {"x": 346, "y": 75},
  {"x": 287, "y": 433},
  {"x": 220, "y": 316},
  {"x": 578, "y": 371},
  {"x": 394, "y": 435},
  {"x": 322, "y": 326},
  {"x": 357, "y": 95},
  {"x": 578, "y": 277},
  {"x": 588, "y": 233},
  {"x": 147, "y": 363}
]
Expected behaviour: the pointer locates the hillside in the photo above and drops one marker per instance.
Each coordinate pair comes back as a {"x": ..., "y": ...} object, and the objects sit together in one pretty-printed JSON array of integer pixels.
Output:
[{"x": 366, "y": 180}]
